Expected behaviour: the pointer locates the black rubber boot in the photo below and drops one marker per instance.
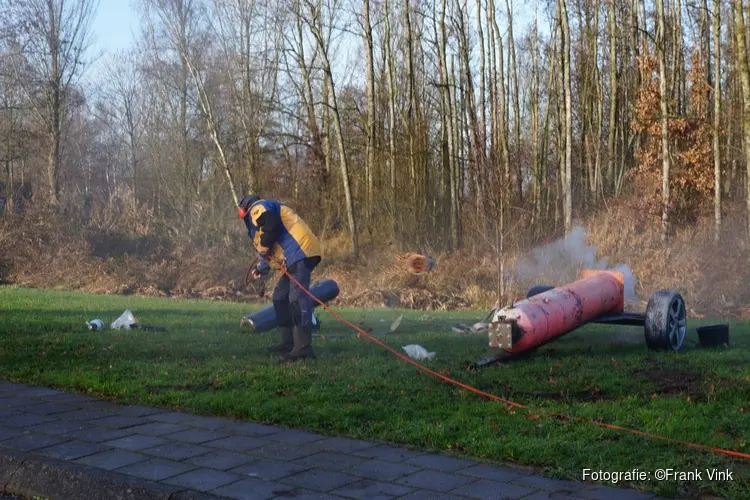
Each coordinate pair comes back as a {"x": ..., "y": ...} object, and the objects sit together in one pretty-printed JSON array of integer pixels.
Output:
[
  {"x": 287, "y": 342},
  {"x": 302, "y": 345}
]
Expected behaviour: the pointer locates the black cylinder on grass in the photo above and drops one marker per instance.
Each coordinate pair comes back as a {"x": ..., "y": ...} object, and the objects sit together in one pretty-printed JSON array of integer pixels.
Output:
[
  {"x": 265, "y": 319},
  {"x": 537, "y": 289}
]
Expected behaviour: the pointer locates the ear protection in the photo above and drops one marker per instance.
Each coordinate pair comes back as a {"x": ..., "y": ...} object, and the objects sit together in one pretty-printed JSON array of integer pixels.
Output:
[{"x": 244, "y": 205}]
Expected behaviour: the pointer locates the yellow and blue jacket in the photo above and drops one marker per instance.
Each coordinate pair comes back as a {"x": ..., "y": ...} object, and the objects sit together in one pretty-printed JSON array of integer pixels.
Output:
[{"x": 279, "y": 234}]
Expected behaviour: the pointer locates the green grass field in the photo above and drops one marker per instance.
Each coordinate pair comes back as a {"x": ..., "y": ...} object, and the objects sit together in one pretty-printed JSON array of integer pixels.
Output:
[{"x": 207, "y": 364}]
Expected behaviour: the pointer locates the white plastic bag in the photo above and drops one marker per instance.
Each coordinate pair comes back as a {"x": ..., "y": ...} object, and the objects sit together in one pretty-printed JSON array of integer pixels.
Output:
[
  {"x": 125, "y": 321},
  {"x": 417, "y": 352}
]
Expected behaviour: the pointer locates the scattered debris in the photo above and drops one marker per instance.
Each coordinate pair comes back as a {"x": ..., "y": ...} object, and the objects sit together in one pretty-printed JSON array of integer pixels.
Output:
[
  {"x": 394, "y": 326},
  {"x": 95, "y": 324},
  {"x": 475, "y": 328},
  {"x": 417, "y": 352},
  {"x": 416, "y": 263},
  {"x": 315, "y": 322},
  {"x": 396, "y": 323},
  {"x": 410, "y": 298},
  {"x": 147, "y": 328},
  {"x": 481, "y": 326},
  {"x": 126, "y": 321}
]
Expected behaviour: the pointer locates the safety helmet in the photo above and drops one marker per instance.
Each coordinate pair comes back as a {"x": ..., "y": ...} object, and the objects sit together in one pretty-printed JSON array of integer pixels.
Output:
[{"x": 244, "y": 204}]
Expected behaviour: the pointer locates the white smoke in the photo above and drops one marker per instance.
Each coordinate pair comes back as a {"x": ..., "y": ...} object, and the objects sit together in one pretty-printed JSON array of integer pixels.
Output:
[{"x": 562, "y": 261}]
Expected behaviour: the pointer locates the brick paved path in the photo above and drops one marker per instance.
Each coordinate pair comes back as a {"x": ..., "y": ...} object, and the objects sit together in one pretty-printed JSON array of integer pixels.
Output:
[{"x": 244, "y": 460}]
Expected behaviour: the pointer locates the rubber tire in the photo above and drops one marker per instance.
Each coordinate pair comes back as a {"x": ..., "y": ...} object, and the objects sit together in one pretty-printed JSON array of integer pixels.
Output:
[
  {"x": 658, "y": 324},
  {"x": 537, "y": 289}
]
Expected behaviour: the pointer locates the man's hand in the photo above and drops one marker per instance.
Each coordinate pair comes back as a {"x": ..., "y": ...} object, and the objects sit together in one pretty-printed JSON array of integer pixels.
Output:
[{"x": 261, "y": 269}]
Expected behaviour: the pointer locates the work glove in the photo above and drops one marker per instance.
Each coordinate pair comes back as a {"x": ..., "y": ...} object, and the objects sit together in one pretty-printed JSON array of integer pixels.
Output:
[{"x": 261, "y": 269}]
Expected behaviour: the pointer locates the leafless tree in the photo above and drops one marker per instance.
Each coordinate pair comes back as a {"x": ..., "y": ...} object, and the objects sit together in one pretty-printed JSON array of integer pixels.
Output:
[{"x": 54, "y": 37}]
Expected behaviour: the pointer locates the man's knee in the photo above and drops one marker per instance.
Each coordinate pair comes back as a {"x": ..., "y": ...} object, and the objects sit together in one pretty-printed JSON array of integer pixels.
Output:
[
  {"x": 283, "y": 313},
  {"x": 281, "y": 292}
]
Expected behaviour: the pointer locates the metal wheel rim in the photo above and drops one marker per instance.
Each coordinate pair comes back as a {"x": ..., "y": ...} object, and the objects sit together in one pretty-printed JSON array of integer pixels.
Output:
[{"x": 677, "y": 323}]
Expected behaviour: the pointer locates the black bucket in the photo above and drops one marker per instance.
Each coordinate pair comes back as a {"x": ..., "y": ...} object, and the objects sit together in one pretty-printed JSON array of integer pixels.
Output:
[
  {"x": 713, "y": 335},
  {"x": 265, "y": 319}
]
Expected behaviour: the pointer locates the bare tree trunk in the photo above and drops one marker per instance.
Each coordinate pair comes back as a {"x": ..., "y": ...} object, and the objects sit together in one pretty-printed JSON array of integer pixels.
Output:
[
  {"x": 717, "y": 120},
  {"x": 742, "y": 68},
  {"x": 371, "y": 118},
  {"x": 568, "y": 184},
  {"x": 213, "y": 129},
  {"x": 534, "y": 105},
  {"x": 453, "y": 157},
  {"x": 591, "y": 97},
  {"x": 732, "y": 93},
  {"x": 423, "y": 135},
  {"x": 134, "y": 164},
  {"x": 705, "y": 46},
  {"x": 9, "y": 186},
  {"x": 494, "y": 150},
  {"x": 247, "y": 70},
  {"x": 315, "y": 14},
  {"x": 456, "y": 178},
  {"x": 598, "y": 185},
  {"x": 53, "y": 157},
  {"x": 184, "y": 146},
  {"x": 411, "y": 100},
  {"x": 391, "y": 120},
  {"x": 482, "y": 97},
  {"x": 584, "y": 83},
  {"x": 294, "y": 166},
  {"x": 466, "y": 68},
  {"x": 611, "y": 145},
  {"x": 317, "y": 149},
  {"x": 732, "y": 96},
  {"x": 516, "y": 104},
  {"x": 682, "y": 100},
  {"x": 561, "y": 133},
  {"x": 9, "y": 153},
  {"x": 446, "y": 138},
  {"x": 676, "y": 80},
  {"x": 175, "y": 19},
  {"x": 546, "y": 191},
  {"x": 408, "y": 119},
  {"x": 502, "y": 119},
  {"x": 666, "y": 163},
  {"x": 55, "y": 108},
  {"x": 326, "y": 128},
  {"x": 56, "y": 33},
  {"x": 596, "y": 129}
]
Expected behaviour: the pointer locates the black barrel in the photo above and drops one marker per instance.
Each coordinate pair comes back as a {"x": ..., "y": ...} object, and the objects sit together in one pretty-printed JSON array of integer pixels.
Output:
[
  {"x": 265, "y": 319},
  {"x": 537, "y": 289}
]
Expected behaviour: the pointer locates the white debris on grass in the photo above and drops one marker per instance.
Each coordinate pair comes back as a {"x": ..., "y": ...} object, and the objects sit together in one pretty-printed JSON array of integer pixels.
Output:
[
  {"x": 125, "y": 321},
  {"x": 417, "y": 352}
]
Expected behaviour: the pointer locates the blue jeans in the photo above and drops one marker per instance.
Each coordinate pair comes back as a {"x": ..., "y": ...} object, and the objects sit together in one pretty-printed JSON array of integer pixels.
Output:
[{"x": 292, "y": 305}]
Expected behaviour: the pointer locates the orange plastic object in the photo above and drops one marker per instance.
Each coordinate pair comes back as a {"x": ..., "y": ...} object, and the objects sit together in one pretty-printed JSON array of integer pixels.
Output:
[{"x": 554, "y": 313}]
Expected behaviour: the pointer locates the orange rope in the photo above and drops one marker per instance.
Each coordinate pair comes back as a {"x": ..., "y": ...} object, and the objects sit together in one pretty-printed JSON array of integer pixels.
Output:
[{"x": 722, "y": 451}]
